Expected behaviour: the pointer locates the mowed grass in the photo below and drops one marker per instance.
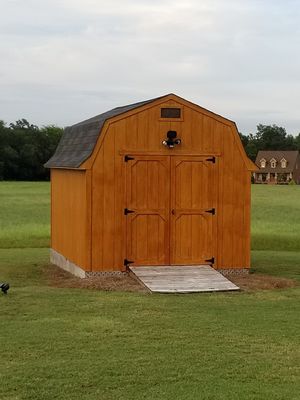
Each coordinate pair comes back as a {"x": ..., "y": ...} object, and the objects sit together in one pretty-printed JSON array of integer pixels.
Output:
[
  {"x": 24, "y": 214},
  {"x": 276, "y": 217},
  {"x": 59, "y": 343},
  {"x": 84, "y": 344},
  {"x": 275, "y": 230}
]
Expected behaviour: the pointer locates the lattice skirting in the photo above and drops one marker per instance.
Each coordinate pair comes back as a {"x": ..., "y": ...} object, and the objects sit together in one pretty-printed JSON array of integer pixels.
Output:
[
  {"x": 234, "y": 271},
  {"x": 94, "y": 274}
]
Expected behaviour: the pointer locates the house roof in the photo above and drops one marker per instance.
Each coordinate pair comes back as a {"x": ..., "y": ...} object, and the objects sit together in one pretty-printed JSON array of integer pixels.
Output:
[
  {"x": 78, "y": 141},
  {"x": 289, "y": 155}
]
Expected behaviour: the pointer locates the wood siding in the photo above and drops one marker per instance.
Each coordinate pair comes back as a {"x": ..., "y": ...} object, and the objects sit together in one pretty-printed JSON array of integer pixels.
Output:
[
  {"x": 70, "y": 215},
  {"x": 141, "y": 133}
]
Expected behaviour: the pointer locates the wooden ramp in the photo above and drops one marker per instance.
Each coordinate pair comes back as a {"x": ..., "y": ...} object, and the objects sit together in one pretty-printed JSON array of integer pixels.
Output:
[{"x": 182, "y": 279}]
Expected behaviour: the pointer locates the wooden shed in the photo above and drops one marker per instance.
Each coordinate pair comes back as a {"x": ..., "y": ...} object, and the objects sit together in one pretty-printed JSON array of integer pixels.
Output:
[{"x": 160, "y": 182}]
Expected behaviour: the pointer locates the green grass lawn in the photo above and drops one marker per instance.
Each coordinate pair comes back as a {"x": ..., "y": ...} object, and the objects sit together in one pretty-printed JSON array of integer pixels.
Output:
[
  {"x": 24, "y": 214},
  {"x": 276, "y": 218},
  {"x": 275, "y": 230},
  {"x": 59, "y": 343}
]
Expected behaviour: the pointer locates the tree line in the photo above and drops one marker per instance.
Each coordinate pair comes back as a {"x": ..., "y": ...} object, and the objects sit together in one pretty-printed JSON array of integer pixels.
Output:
[
  {"x": 269, "y": 137},
  {"x": 24, "y": 147}
]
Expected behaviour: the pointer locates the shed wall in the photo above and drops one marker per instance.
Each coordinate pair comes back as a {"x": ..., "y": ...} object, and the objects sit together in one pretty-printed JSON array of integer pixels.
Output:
[
  {"x": 69, "y": 215},
  {"x": 142, "y": 133}
]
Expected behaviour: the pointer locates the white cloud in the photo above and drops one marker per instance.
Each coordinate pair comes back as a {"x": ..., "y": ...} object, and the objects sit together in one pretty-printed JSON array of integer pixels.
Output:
[{"x": 66, "y": 60}]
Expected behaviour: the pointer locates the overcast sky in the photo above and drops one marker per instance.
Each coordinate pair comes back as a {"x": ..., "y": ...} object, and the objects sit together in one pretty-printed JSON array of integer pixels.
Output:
[{"x": 66, "y": 60}]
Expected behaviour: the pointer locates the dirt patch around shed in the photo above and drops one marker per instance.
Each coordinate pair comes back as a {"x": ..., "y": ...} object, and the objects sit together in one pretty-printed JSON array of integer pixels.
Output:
[
  {"x": 123, "y": 283},
  {"x": 257, "y": 281},
  {"x": 57, "y": 277}
]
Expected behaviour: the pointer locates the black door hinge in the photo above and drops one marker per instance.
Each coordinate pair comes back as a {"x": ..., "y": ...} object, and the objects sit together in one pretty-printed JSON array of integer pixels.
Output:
[
  {"x": 126, "y": 211},
  {"x": 128, "y": 158},
  {"x": 127, "y": 262},
  {"x": 211, "y": 211},
  {"x": 210, "y": 260},
  {"x": 212, "y": 159}
]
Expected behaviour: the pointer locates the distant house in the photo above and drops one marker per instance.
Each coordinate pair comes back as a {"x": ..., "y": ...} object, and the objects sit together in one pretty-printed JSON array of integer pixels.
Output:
[{"x": 277, "y": 167}]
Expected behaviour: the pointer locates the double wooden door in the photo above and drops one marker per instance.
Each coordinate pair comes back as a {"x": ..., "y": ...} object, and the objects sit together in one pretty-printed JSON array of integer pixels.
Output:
[{"x": 170, "y": 210}]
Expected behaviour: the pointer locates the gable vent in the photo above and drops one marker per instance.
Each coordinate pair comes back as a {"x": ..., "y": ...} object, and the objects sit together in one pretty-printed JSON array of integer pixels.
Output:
[{"x": 170, "y": 113}]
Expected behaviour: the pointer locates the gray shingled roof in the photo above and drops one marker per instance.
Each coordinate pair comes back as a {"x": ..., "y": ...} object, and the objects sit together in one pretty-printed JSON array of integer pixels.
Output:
[
  {"x": 289, "y": 155},
  {"x": 78, "y": 141}
]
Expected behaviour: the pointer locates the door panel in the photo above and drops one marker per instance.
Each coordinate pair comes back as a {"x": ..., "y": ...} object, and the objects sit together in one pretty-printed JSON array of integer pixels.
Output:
[
  {"x": 193, "y": 194},
  {"x": 170, "y": 197},
  {"x": 148, "y": 196}
]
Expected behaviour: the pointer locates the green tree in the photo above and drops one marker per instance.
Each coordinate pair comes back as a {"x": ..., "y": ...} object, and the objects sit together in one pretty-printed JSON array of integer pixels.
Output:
[
  {"x": 251, "y": 147},
  {"x": 269, "y": 137},
  {"x": 24, "y": 148},
  {"x": 297, "y": 141}
]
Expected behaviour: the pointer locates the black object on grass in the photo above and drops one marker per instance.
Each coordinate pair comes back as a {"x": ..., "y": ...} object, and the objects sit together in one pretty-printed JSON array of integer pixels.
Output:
[{"x": 4, "y": 287}]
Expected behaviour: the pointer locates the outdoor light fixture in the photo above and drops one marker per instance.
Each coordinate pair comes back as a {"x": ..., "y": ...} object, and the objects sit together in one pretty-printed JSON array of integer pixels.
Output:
[{"x": 171, "y": 139}]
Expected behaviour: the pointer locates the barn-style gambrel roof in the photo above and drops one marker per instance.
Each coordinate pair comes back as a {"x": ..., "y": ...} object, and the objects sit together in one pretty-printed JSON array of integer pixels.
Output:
[{"x": 79, "y": 140}]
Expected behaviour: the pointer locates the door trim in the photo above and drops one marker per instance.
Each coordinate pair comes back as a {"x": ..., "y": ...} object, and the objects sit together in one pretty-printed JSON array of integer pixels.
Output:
[{"x": 166, "y": 153}]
